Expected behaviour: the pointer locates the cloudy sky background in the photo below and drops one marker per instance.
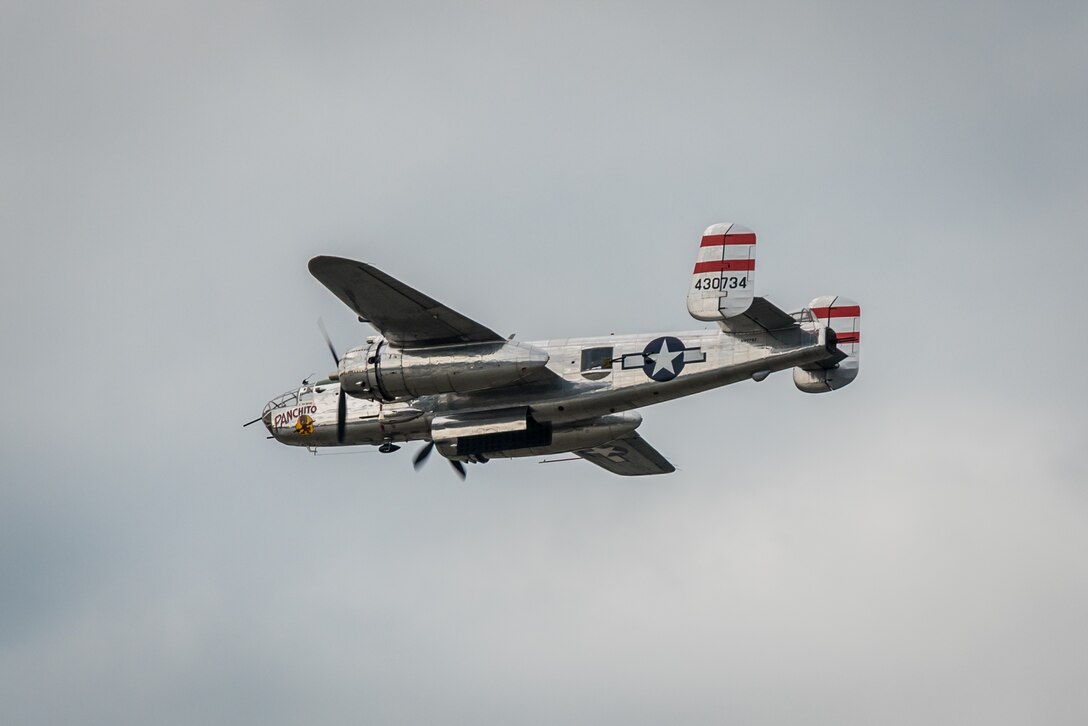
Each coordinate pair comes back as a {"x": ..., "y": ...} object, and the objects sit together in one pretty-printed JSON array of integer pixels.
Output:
[{"x": 908, "y": 550}]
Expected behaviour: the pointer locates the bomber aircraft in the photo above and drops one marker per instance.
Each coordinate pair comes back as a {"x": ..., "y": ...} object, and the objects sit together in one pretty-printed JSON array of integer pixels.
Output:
[{"x": 433, "y": 375}]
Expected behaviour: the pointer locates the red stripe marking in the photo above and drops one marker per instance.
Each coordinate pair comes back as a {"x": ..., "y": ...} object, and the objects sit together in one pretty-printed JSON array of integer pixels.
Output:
[
  {"x": 847, "y": 337},
  {"x": 724, "y": 266},
  {"x": 717, "y": 240},
  {"x": 842, "y": 311}
]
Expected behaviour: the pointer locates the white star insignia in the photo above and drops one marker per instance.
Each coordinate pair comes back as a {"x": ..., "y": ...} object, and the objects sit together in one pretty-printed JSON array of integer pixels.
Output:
[
  {"x": 665, "y": 358},
  {"x": 608, "y": 452}
]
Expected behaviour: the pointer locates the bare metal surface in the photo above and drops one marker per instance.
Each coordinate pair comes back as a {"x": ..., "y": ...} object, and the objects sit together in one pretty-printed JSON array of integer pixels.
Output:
[
  {"x": 435, "y": 375},
  {"x": 479, "y": 423},
  {"x": 380, "y": 371}
]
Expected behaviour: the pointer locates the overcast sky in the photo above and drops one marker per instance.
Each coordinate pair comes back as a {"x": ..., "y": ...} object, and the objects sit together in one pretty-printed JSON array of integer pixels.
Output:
[{"x": 908, "y": 550}]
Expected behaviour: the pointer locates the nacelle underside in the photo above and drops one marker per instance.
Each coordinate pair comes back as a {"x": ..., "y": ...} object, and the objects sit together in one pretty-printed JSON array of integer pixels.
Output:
[{"x": 525, "y": 436}]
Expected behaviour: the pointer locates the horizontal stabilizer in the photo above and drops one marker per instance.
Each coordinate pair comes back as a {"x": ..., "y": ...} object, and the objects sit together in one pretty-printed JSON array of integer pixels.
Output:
[{"x": 762, "y": 316}]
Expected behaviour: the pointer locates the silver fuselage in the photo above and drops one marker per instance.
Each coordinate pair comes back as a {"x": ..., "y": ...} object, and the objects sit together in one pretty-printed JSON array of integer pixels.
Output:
[{"x": 573, "y": 387}]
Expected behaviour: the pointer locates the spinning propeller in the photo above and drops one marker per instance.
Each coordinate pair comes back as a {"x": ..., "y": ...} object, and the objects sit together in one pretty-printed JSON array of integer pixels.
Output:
[
  {"x": 342, "y": 415},
  {"x": 342, "y": 397},
  {"x": 421, "y": 458}
]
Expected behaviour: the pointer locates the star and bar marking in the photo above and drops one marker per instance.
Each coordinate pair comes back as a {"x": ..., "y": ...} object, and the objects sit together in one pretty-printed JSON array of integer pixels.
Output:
[
  {"x": 663, "y": 358},
  {"x": 611, "y": 452}
]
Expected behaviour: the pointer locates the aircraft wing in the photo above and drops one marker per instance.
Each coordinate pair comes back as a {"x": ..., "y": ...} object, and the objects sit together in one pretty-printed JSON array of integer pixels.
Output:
[
  {"x": 629, "y": 455},
  {"x": 406, "y": 317}
]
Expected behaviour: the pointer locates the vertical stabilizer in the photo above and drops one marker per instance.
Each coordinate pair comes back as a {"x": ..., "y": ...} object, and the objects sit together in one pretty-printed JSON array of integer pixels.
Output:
[
  {"x": 843, "y": 316},
  {"x": 723, "y": 282}
]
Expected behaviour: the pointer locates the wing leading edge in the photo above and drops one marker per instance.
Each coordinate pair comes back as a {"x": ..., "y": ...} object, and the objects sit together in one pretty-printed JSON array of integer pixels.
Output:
[
  {"x": 629, "y": 455},
  {"x": 406, "y": 317}
]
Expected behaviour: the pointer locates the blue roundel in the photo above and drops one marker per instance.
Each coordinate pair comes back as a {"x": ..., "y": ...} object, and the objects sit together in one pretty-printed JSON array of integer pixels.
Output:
[{"x": 664, "y": 358}]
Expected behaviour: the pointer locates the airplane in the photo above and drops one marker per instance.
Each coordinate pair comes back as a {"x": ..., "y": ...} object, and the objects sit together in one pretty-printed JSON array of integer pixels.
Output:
[{"x": 433, "y": 375}]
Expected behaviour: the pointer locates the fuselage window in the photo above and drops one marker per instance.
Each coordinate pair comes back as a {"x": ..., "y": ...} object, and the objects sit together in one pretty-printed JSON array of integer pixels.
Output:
[{"x": 595, "y": 359}]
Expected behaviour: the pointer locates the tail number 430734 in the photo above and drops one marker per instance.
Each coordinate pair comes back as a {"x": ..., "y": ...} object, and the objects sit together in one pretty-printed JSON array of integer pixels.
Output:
[{"x": 721, "y": 283}]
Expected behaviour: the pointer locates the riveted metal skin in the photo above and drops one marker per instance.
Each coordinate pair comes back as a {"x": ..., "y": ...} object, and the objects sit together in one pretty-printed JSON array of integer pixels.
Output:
[
  {"x": 436, "y": 375},
  {"x": 381, "y": 372},
  {"x": 555, "y": 392}
]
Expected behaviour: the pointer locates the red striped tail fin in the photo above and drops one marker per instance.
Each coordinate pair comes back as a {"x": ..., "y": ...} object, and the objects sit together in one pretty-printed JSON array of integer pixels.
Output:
[
  {"x": 723, "y": 281},
  {"x": 843, "y": 316}
]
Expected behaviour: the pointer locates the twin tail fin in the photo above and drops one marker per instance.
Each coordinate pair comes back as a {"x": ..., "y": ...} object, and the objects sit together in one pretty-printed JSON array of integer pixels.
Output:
[
  {"x": 723, "y": 281},
  {"x": 842, "y": 317},
  {"x": 723, "y": 290}
]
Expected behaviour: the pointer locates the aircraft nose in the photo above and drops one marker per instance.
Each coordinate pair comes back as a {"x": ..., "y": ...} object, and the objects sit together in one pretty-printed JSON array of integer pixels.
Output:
[
  {"x": 266, "y": 415},
  {"x": 277, "y": 408}
]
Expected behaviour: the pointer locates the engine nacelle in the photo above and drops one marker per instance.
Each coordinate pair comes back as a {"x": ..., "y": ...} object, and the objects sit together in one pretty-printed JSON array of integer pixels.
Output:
[
  {"x": 514, "y": 432},
  {"x": 381, "y": 372}
]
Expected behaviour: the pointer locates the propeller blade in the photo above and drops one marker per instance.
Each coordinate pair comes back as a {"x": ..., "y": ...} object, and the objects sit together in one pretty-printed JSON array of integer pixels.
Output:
[
  {"x": 341, "y": 416},
  {"x": 328, "y": 342},
  {"x": 421, "y": 457},
  {"x": 459, "y": 468}
]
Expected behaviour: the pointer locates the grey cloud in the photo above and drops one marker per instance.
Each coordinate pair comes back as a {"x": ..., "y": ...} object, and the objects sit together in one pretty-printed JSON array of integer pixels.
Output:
[{"x": 905, "y": 550}]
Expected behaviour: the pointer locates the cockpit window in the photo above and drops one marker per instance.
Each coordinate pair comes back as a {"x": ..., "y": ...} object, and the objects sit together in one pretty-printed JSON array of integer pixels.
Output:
[{"x": 595, "y": 359}]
